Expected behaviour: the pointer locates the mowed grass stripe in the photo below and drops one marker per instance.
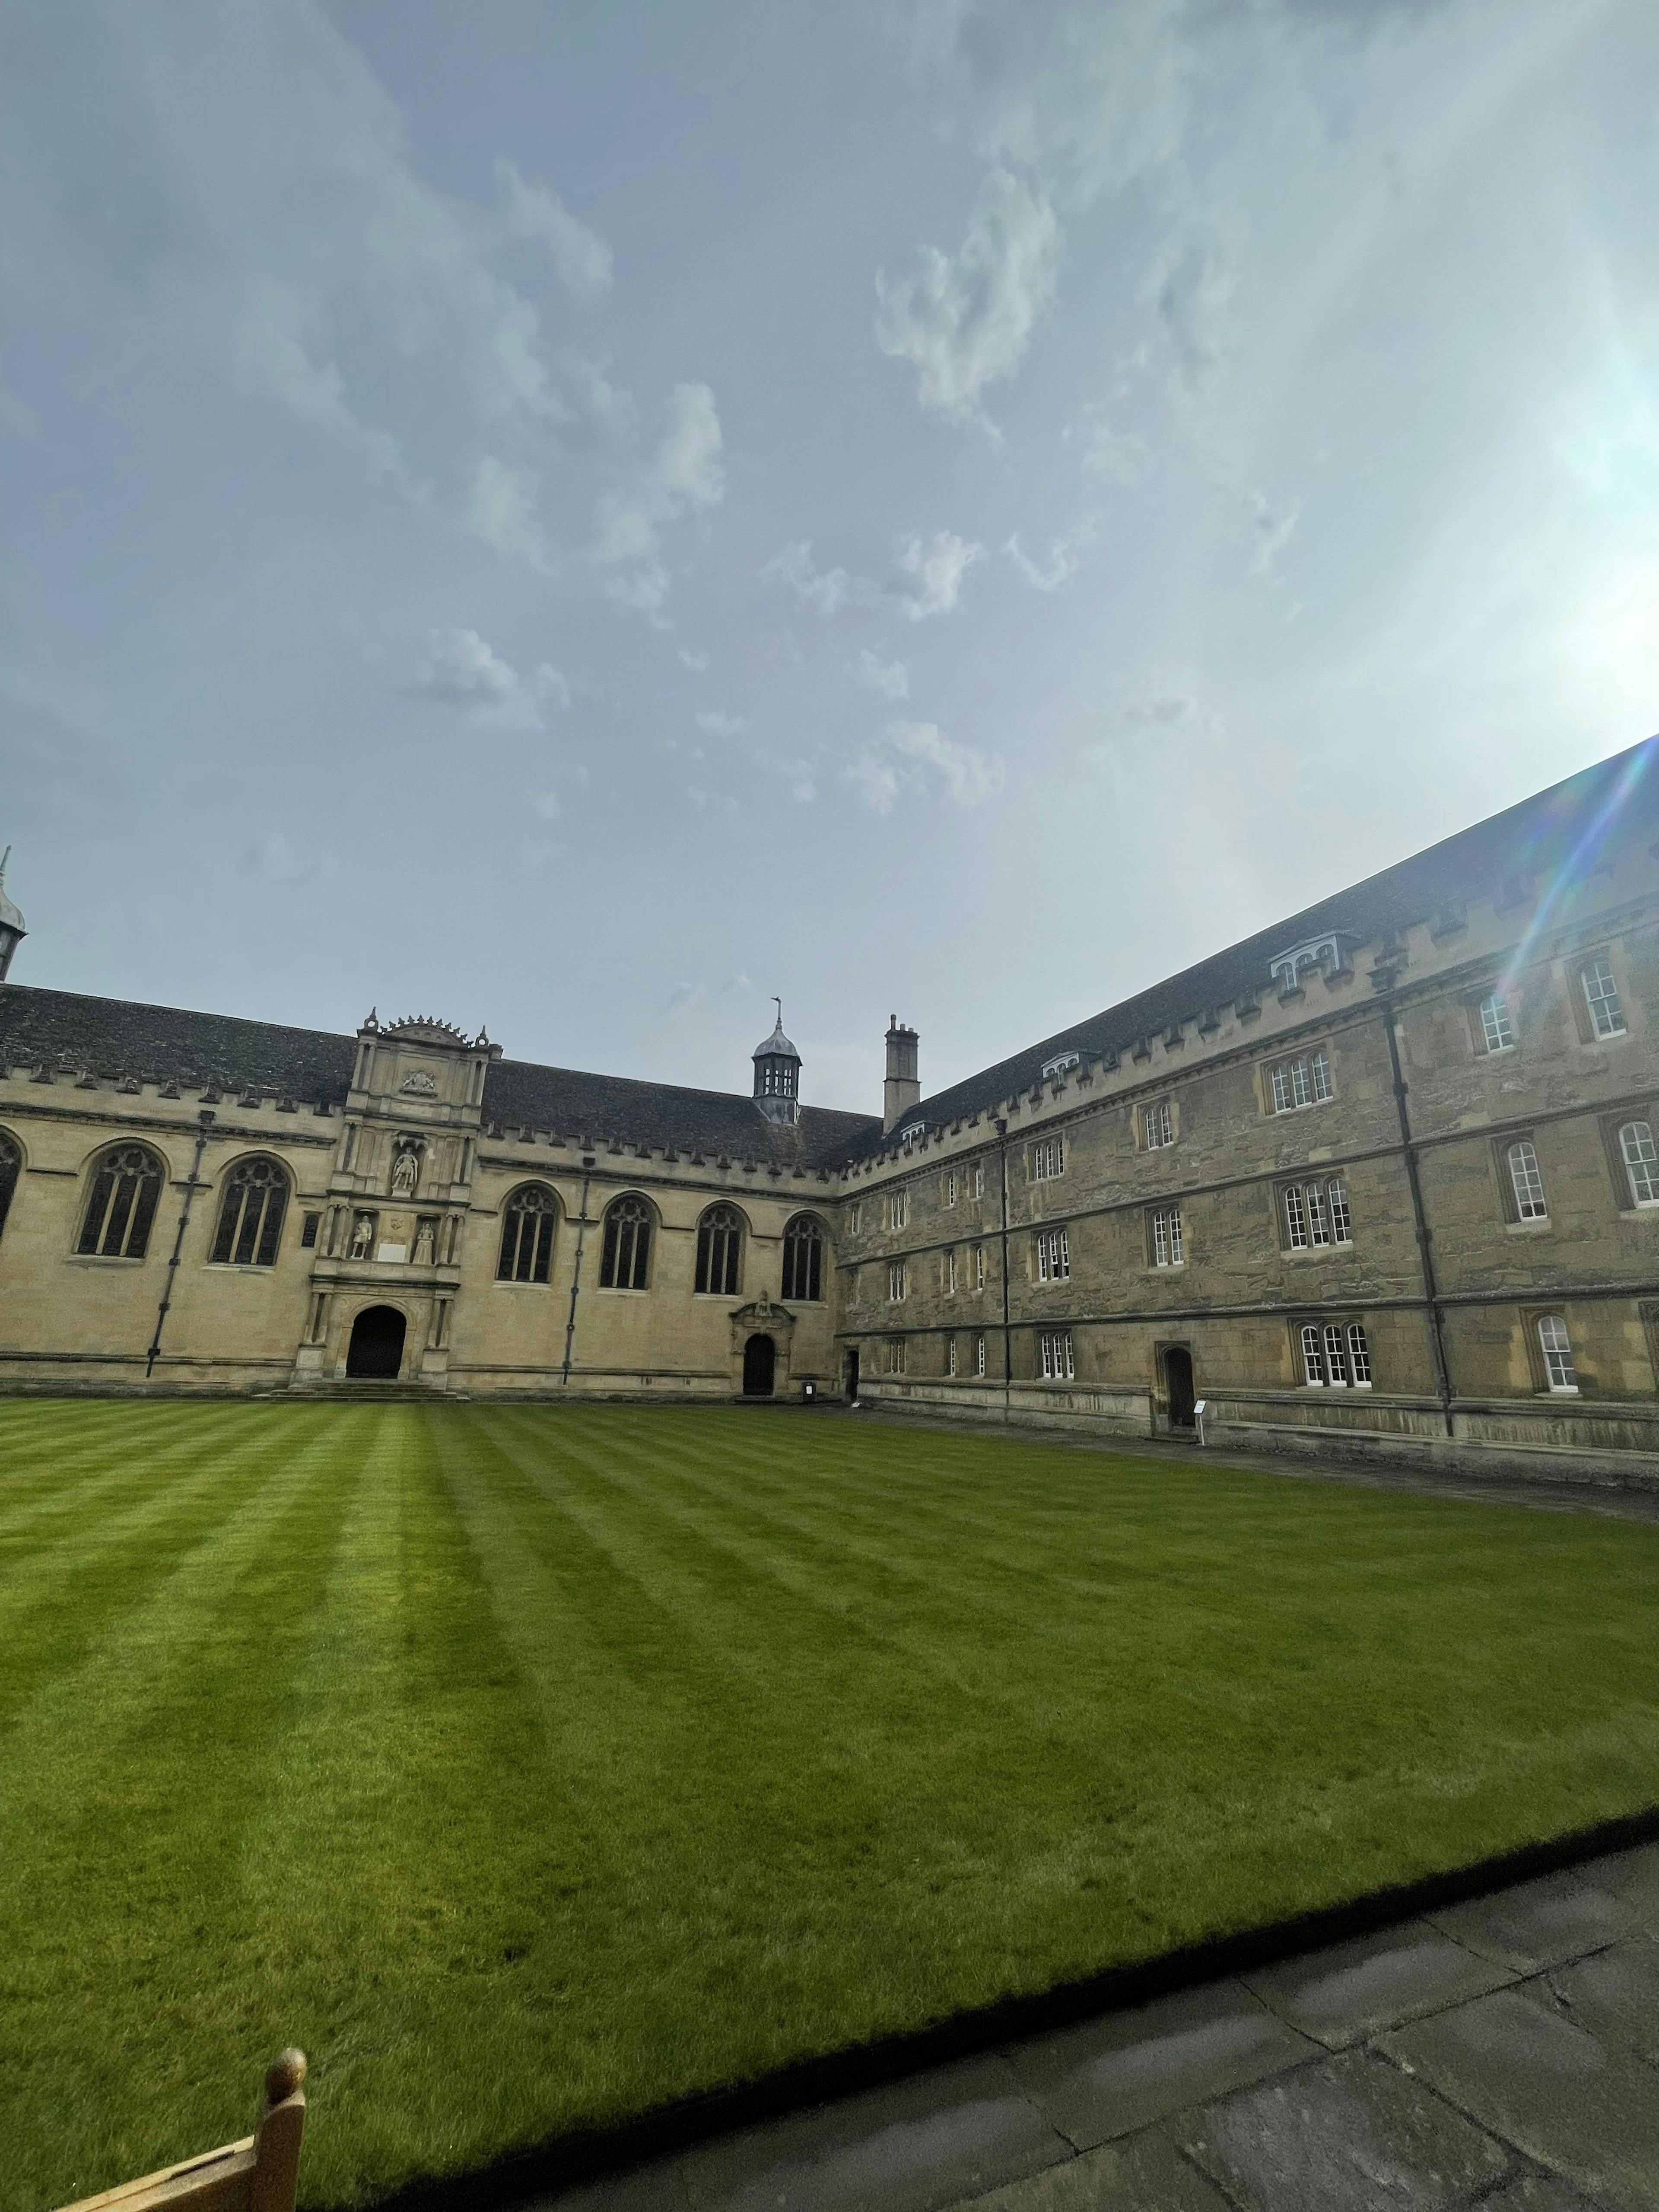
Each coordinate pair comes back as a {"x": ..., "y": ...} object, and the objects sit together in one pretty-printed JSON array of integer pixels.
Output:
[
  {"x": 92, "y": 1455},
  {"x": 577, "y": 1758},
  {"x": 61, "y": 1597},
  {"x": 127, "y": 1785}
]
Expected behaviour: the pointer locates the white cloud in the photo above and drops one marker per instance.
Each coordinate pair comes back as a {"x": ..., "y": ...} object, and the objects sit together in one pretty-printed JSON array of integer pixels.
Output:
[
  {"x": 1271, "y": 530},
  {"x": 917, "y": 758},
  {"x": 936, "y": 570},
  {"x": 965, "y": 322},
  {"x": 531, "y": 211},
  {"x": 829, "y": 590},
  {"x": 1065, "y": 556},
  {"x": 800, "y": 775},
  {"x": 721, "y": 726},
  {"x": 696, "y": 661},
  {"x": 501, "y": 511},
  {"x": 689, "y": 460},
  {"x": 462, "y": 669},
  {"x": 685, "y": 471},
  {"x": 1194, "y": 291},
  {"x": 890, "y": 677},
  {"x": 1112, "y": 457}
]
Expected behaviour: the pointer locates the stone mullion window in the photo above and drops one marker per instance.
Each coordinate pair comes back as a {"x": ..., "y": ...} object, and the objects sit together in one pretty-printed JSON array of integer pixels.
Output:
[
  {"x": 625, "y": 1256},
  {"x": 250, "y": 1215},
  {"x": 1636, "y": 1152},
  {"x": 527, "y": 1225},
  {"x": 126, "y": 1189},
  {"x": 803, "y": 1260},
  {"x": 720, "y": 1249}
]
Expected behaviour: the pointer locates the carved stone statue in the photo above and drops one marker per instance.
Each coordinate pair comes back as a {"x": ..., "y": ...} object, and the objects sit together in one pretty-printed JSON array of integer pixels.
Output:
[
  {"x": 405, "y": 1173},
  {"x": 363, "y": 1235},
  {"x": 424, "y": 1240}
]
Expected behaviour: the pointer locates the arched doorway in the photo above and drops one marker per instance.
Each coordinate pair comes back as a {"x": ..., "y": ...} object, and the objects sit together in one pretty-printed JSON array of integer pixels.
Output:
[
  {"x": 376, "y": 1350},
  {"x": 760, "y": 1359},
  {"x": 1178, "y": 1381}
]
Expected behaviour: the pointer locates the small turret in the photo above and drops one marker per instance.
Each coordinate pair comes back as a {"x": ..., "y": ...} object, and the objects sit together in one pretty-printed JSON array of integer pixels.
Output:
[
  {"x": 12, "y": 931},
  {"x": 903, "y": 1085},
  {"x": 777, "y": 1075}
]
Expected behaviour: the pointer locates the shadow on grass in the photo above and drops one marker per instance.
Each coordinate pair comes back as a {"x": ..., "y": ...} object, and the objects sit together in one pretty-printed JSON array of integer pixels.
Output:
[{"x": 566, "y": 2162}]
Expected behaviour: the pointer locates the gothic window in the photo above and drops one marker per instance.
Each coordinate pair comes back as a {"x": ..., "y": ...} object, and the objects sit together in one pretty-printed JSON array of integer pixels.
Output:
[
  {"x": 1167, "y": 1246},
  {"x": 1496, "y": 1031},
  {"x": 1602, "y": 998},
  {"x": 803, "y": 1259},
  {"x": 949, "y": 1355},
  {"x": 895, "y": 1281},
  {"x": 251, "y": 1214},
  {"x": 947, "y": 1187},
  {"x": 898, "y": 1209},
  {"x": 11, "y": 1166},
  {"x": 978, "y": 1266},
  {"x": 1157, "y": 1125},
  {"x": 1048, "y": 1159},
  {"x": 1336, "y": 1356},
  {"x": 1359, "y": 1356},
  {"x": 627, "y": 1252},
  {"x": 978, "y": 1355},
  {"x": 1526, "y": 1182},
  {"x": 855, "y": 1219},
  {"x": 126, "y": 1187},
  {"x": 895, "y": 1355},
  {"x": 1054, "y": 1256},
  {"x": 1635, "y": 1144},
  {"x": 1560, "y": 1375},
  {"x": 976, "y": 1180},
  {"x": 720, "y": 1247},
  {"x": 527, "y": 1224},
  {"x": 950, "y": 1275},
  {"x": 1303, "y": 1082}
]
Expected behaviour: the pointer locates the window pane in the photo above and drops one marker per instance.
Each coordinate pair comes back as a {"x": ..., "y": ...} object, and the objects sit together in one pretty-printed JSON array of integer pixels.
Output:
[
  {"x": 1526, "y": 1181},
  {"x": 1559, "y": 1370},
  {"x": 1296, "y": 1224},
  {"x": 1336, "y": 1359},
  {"x": 1319, "y": 1230},
  {"x": 271, "y": 1233},
  {"x": 1299, "y": 1081},
  {"x": 1175, "y": 1236},
  {"x": 1313, "y": 1362},
  {"x": 1359, "y": 1353},
  {"x": 1322, "y": 1075},
  {"x": 1282, "y": 1089},
  {"x": 1495, "y": 1023},
  {"x": 1341, "y": 1222},
  {"x": 1606, "y": 1015},
  {"x": 1635, "y": 1142}
]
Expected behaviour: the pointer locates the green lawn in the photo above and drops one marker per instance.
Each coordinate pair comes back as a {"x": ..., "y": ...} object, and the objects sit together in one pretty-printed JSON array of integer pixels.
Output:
[{"x": 531, "y": 1766}]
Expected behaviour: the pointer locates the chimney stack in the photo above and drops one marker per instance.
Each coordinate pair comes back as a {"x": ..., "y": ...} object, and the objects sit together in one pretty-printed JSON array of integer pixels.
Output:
[{"x": 903, "y": 1085}]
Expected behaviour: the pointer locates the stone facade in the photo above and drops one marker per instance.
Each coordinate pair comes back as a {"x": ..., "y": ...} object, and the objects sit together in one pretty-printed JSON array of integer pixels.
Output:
[{"x": 1380, "y": 1179}]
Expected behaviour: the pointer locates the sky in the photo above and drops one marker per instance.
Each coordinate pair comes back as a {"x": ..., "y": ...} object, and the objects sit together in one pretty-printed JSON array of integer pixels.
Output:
[{"x": 582, "y": 518}]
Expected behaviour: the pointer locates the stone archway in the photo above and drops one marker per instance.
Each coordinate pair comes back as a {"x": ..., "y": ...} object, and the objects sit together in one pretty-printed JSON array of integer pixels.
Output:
[
  {"x": 376, "y": 1351},
  {"x": 760, "y": 1362}
]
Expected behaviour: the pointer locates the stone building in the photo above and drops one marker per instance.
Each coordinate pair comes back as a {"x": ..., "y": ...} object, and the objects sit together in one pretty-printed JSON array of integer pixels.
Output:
[{"x": 1382, "y": 1177}]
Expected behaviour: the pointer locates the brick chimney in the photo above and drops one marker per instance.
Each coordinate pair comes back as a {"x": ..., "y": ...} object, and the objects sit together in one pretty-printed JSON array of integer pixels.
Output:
[{"x": 903, "y": 1086}]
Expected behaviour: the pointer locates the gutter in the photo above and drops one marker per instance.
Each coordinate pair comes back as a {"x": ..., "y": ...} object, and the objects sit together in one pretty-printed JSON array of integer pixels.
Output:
[
  {"x": 576, "y": 1271},
  {"x": 1419, "y": 1215},
  {"x": 1008, "y": 1335},
  {"x": 205, "y": 1122}
]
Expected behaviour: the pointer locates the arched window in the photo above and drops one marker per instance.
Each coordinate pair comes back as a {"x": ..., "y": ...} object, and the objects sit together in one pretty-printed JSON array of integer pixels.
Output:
[
  {"x": 251, "y": 1214},
  {"x": 1635, "y": 1142},
  {"x": 527, "y": 1220},
  {"x": 720, "y": 1247},
  {"x": 626, "y": 1254},
  {"x": 803, "y": 1258},
  {"x": 1527, "y": 1182},
  {"x": 126, "y": 1187},
  {"x": 11, "y": 1166}
]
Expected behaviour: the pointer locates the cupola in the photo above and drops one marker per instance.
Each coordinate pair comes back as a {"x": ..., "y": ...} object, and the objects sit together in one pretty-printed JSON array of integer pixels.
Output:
[
  {"x": 777, "y": 1075},
  {"x": 12, "y": 931}
]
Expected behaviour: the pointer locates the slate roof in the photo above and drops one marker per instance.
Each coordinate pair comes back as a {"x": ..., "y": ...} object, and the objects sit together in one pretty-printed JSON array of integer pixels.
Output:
[
  {"x": 117, "y": 1039},
  {"x": 1531, "y": 840}
]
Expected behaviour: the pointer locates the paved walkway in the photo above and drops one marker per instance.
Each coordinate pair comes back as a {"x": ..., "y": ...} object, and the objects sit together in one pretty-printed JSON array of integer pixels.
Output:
[{"x": 1502, "y": 2053}]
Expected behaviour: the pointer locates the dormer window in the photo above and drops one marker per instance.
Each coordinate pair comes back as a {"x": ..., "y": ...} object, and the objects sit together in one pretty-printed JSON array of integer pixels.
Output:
[
  {"x": 1059, "y": 1065},
  {"x": 1320, "y": 955}
]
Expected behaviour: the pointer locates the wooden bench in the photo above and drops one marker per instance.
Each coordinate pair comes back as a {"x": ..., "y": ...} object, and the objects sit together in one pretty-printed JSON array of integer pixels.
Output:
[{"x": 259, "y": 2174}]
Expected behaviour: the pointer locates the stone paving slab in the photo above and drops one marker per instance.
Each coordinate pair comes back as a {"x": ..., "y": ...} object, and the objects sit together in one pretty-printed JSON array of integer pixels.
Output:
[
  {"x": 1117, "y": 2073},
  {"x": 1616, "y": 1996},
  {"x": 1536, "y": 2192},
  {"x": 1632, "y": 1877},
  {"x": 1587, "y": 2112},
  {"x": 1145, "y": 2173},
  {"x": 914, "y": 2146},
  {"x": 1351, "y": 2135},
  {"x": 1540, "y": 1924},
  {"x": 1352, "y": 1990}
]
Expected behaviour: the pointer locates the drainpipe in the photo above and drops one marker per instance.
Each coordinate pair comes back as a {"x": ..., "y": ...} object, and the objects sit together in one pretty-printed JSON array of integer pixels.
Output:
[
  {"x": 1007, "y": 1336},
  {"x": 205, "y": 1119},
  {"x": 576, "y": 1271},
  {"x": 1420, "y": 1214}
]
